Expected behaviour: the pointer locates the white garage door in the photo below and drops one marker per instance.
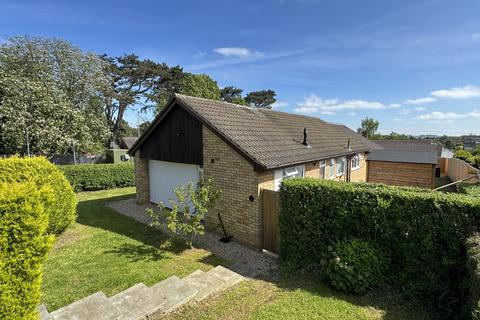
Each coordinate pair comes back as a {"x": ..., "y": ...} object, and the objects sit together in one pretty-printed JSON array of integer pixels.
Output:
[{"x": 166, "y": 176}]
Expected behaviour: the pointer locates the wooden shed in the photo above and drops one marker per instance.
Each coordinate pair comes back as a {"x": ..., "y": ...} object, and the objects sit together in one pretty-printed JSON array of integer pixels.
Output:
[{"x": 402, "y": 168}]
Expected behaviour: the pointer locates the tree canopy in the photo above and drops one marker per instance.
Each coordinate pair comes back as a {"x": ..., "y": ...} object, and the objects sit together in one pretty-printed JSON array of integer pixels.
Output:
[
  {"x": 261, "y": 99},
  {"x": 49, "y": 97},
  {"x": 368, "y": 127},
  {"x": 232, "y": 95}
]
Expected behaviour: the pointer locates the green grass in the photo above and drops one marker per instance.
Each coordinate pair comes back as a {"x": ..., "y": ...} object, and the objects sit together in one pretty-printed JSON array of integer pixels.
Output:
[
  {"x": 106, "y": 251},
  {"x": 297, "y": 297}
]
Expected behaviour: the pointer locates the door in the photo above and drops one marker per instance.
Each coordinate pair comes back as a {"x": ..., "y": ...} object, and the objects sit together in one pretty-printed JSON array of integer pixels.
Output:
[{"x": 166, "y": 176}]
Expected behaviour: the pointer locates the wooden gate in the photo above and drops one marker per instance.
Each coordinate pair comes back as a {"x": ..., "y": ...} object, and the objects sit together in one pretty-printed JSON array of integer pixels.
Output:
[{"x": 270, "y": 209}]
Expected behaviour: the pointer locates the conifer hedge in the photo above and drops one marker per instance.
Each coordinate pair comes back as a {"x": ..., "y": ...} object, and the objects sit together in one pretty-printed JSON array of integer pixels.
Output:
[{"x": 421, "y": 234}]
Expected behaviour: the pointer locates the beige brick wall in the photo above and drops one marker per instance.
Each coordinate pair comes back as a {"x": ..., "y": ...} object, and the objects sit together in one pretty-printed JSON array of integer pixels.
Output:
[
  {"x": 360, "y": 174},
  {"x": 142, "y": 181},
  {"x": 312, "y": 170},
  {"x": 238, "y": 180}
]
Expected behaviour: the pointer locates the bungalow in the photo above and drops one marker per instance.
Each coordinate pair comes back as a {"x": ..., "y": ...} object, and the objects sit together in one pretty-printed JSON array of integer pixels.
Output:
[{"x": 244, "y": 150}]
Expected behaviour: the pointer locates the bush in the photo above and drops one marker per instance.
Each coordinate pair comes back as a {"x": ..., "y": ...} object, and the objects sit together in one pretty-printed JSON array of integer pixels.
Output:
[
  {"x": 62, "y": 209},
  {"x": 472, "y": 189},
  {"x": 421, "y": 232},
  {"x": 24, "y": 243},
  {"x": 355, "y": 266},
  {"x": 91, "y": 177},
  {"x": 465, "y": 156},
  {"x": 473, "y": 276}
]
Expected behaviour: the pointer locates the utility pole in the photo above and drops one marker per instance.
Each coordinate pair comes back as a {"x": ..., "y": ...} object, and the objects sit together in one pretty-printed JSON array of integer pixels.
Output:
[
  {"x": 28, "y": 143},
  {"x": 74, "y": 155}
]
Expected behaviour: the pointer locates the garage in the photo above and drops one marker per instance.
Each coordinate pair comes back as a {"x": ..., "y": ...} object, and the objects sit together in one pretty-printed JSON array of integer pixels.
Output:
[{"x": 166, "y": 176}]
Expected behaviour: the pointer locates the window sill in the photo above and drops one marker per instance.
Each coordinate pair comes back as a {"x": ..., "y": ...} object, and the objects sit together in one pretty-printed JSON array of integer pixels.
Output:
[{"x": 355, "y": 169}]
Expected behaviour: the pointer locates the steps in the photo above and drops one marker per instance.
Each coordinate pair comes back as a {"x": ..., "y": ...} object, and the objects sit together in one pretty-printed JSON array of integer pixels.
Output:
[{"x": 147, "y": 303}]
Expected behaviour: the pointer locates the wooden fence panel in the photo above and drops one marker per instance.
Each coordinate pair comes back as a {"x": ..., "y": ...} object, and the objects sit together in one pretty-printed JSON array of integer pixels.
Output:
[
  {"x": 458, "y": 169},
  {"x": 270, "y": 210}
]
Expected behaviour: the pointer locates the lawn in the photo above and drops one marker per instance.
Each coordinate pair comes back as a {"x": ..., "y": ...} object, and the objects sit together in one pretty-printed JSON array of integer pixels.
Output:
[
  {"x": 297, "y": 297},
  {"x": 106, "y": 251}
]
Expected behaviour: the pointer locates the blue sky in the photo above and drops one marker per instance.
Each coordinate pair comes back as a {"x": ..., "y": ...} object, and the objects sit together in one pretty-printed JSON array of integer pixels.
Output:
[{"x": 413, "y": 64}]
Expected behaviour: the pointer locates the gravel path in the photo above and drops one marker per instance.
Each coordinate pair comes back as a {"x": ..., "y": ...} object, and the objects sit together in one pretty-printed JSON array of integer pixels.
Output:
[{"x": 247, "y": 262}]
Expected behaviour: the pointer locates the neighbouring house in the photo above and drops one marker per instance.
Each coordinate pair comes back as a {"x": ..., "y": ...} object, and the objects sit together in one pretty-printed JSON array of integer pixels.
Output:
[
  {"x": 244, "y": 150},
  {"x": 471, "y": 142},
  {"x": 119, "y": 153},
  {"x": 127, "y": 142},
  {"x": 405, "y": 162}
]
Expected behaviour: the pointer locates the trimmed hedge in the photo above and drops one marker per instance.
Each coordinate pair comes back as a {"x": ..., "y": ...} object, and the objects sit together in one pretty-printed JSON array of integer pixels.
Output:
[
  {"x": 24, "y": 244},
  {"x": 421, "y": 233},
  {"x": 91, "y": 177},
  {"x": 473, "y": 276},
  {"x": 62, "y": 209}
]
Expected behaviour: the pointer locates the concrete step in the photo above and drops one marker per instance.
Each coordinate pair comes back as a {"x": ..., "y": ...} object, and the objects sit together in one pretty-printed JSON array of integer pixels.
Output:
[
  {"x": 43, "y": 312},
  {"x": 204, "y": 282},
  {"x": 136, "y": 302},
  {"x": 175, "y": 291},
  {"x": 228, "y": 277},
  {"x": 96, "y": 306}
]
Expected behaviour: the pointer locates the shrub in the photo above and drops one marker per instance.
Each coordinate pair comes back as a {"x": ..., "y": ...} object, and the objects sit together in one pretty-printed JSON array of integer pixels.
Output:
[
  {"x": 62, "y": 209},
  {"x": 91, "y": 177},
  {"x": 465, "y": 156},
  {"x": 422, "y": 232},
  {"x": 473, "y": 276},
  {"x": 355, "y": 266},
  {"x": 472, "y": 189},
  {"x": 24, "y": 244}
]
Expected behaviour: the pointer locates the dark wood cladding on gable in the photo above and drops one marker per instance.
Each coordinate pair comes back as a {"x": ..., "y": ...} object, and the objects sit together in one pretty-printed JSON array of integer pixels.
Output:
[{"x": 178, "y": 138}]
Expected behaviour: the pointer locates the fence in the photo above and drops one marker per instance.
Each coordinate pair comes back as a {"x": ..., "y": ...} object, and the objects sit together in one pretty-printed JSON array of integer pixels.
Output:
[
  {"x": 457, "y": 169},
  {"x": 270, "y": 209}
]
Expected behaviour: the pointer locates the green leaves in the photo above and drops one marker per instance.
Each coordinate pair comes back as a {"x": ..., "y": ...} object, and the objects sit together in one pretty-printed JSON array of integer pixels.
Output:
[
  {"x": 184, "y": 218},
  {"x": 420, "y": 233}
]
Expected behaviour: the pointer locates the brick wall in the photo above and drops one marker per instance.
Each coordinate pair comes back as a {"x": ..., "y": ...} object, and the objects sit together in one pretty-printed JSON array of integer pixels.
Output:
[
  {"x": 312, "y": 170},
  {"x": 142, "y": 181},
  {"x": 360, "y": 174},
  {"x": 238, "y": 180}
]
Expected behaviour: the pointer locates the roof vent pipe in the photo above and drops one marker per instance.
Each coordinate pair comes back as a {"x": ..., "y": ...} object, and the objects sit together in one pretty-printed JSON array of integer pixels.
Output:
[
  {"x": 305, "y": 141},
  {"x": 348, "y": 145}
]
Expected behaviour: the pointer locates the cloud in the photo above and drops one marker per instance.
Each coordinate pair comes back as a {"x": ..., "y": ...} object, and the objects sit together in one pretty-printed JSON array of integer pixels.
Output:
[
  {"x": 447, "y": 116},
  {"x": 352, "y": 113},
  {"x": 314, "y": 104},
  {"x": 328, "y": 112},
  {"x": 280, "y": 104},
  {"x": 236, "y": 52},
  {"x": 458, "y": 92},
  {"x": 420, "y": 100},
  {"x": 419, "y": 109},
  {"x": 397, "y": 119}
]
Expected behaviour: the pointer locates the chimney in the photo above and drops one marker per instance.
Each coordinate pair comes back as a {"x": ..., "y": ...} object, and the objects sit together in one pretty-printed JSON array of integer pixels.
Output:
[{"x": 305, "y": 141}]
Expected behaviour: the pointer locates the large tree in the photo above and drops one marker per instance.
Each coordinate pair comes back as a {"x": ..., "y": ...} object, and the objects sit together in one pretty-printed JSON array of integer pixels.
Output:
[
  {"x": 232, "y": 95},
  {"x": 261, "y": 99},
  {"x": 368, "y": 127},
  {"x": 49, "y": 97},
  {"x": 132, "y": 84},
  {"x": 196, "y": 85}
]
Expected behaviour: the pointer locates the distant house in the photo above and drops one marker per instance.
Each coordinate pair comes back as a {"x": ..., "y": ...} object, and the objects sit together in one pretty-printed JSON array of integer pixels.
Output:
[
  {"x": 127, "y": 142},
  {"x": 471, "y": 142},
  {"x": 244, "y": 150}
]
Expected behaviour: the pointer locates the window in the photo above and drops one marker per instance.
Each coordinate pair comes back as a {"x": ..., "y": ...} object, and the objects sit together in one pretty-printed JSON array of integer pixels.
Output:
[
  {"x": 331, "y": 169},
  {"x": 341, "y": 163},
  {"x": 356, "y": 162},
  {"x": 322, "y": 169},
  {"x": 292, "y": 172}
]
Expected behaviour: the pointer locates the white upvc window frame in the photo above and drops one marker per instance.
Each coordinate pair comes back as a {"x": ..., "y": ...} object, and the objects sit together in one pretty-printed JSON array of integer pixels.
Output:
[
  {"x": 355, "y": 158},
  {"x": 331, "y": 168},
  {"x": 341, "y": 166},
  {"x": 322, "y": 169},
  {"x": 288, "y": 173}
]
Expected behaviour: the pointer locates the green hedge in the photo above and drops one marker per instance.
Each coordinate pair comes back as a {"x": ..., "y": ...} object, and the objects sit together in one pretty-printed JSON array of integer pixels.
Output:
[
  {"x": 421, "y": 233},
  {"x": 473, "y": 276},
  {"x": 62, "y": 209},
  {"x": 24, "y": 244},
  {"x": 90, "y": 177},
  {"x": 472, "y": 189}
]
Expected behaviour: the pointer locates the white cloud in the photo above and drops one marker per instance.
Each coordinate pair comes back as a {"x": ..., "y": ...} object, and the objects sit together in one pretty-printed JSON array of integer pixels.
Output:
[
  {"x": 420, "y": 100},
  {"x": 236, "y": 52},
  {"x": 447, "y": 116},
  {"x": 280, "y": 104},
  {"x": 314, "y": 104},
  {"x": 419, "y": 109},
  {"x": 352, "y": 113},
  {"x": 327, "y": 112},
  {"x": 397, "y": 119},
  {"x": 458, "y": 92}
]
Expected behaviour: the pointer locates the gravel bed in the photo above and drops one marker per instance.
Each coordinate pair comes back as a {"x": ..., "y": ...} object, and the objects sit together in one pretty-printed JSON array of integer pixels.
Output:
[{"x": 246, "y": 261}]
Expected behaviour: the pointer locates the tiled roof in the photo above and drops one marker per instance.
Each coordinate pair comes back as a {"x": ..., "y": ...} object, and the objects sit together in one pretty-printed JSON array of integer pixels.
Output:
[
  {"x": 426, "y": 157},
  {"x": 410, "y": 145},
  {"x": 129, "y": 141},
  {"x": 269, "y": 138}
]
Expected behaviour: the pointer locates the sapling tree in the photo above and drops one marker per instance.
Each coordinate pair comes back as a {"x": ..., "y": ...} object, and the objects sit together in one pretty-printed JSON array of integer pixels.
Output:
[{"x": 184, "y": 217}]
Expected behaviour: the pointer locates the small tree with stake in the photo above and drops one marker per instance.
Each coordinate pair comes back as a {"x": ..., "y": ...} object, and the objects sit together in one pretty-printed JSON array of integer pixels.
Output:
[{"x": 184, "y": 219}]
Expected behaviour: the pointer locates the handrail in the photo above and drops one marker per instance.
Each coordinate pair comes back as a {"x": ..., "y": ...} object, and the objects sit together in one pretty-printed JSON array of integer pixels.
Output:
[{"x": 456, "y": 182}]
